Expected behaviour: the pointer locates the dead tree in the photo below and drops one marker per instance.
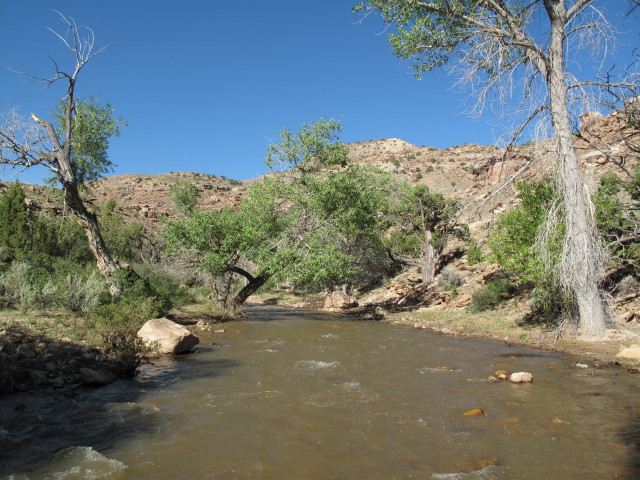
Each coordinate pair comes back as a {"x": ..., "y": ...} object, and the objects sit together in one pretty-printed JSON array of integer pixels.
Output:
[{"x": 24, "y": 144}]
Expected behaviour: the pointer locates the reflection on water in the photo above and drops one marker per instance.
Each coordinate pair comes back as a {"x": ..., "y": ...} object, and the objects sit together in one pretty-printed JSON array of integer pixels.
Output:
[{"x": 287, "y": 395}]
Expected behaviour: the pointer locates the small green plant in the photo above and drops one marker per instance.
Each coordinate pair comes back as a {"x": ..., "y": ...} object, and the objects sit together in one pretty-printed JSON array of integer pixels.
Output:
[
  {"x": 418, "y": 176},
  {"x": 474, "y": 252},
  {"x": 490, "y": 295},
  {"x": 430, "y": 168}
]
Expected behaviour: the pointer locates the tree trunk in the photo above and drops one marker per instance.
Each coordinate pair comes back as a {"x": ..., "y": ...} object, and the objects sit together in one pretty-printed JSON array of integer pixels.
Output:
[
  {"x": 249, "y": 289},
  {"x": 581, "y": 261},
  {"x": 106, "y": 264}
]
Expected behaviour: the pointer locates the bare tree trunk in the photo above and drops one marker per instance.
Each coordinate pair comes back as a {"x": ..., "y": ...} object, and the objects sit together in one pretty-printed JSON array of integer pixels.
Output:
[
  {"x": 581, "y": 259},
  {"x": 106, "y": 264}
]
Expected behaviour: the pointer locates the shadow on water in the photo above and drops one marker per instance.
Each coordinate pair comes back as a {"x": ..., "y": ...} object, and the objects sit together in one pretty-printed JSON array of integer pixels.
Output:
[
  {"x": 34, "y": 426},
  {"x": 631, "y": 438},
  {"x": 270, "y": 313}
]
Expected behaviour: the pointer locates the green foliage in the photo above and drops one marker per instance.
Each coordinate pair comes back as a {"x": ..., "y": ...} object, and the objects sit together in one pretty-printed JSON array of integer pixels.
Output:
[
  {"x": 513, "y": 240},
  {"x": 316, "y": 230},
  {"x": 110, "y": 206},
  {"x": 126, "y": 314},
  {"x": 93, "y": 126},
  {"x": 618, "y": 216},
  {"x": 116, "y": 324},
  {"x": 474, "y": 252},
  {"x": 165, "y": 285},
  {"x": 516, "y": 244},
  {"x": 428, "y": 33},
  {"x": 313, "y": 147},
  {"x": 185, "y": 196},
  {"x": 123, "y": 241},
  {"x": 417, "y": 214},
  {"x": 62, "y": 284},
  {"x": 489, "y": 295},
  {"x": 16, "y": 223}
]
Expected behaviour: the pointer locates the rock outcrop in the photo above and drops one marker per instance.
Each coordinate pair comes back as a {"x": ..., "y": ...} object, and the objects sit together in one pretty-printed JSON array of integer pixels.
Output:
[
  {"x": 339, "y": 301},
  {"x": 629, "y": 357}
]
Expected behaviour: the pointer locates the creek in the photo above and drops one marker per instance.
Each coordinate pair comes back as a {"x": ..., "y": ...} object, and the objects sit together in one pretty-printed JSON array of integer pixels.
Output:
[{"x": 290, "y": 394}]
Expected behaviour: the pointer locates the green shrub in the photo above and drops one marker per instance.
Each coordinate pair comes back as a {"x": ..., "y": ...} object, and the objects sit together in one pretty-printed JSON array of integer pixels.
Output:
[
  {"x": 164, "y": 285},
  {"x": 489, "y": 295},
  {"x": 474, "y": 252},
  {"x": 82, "y": 292},
  {"x": 125, "y": 314},
  {"x": 21, "y": 285}
]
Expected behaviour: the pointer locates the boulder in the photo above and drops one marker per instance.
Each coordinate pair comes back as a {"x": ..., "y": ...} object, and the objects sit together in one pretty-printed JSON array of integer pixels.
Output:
[
  {"x": 339, "y": 301},
  {"x": 168, "y": 336},
  {"x": 96, "y": 378},
  {"x": 629, "y": 357},
  {"x": 521, "y": 377}
]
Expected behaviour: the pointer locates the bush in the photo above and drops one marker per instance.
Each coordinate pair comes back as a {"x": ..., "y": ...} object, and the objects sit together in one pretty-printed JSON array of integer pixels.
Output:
[
  {"x": 82, "y": 292},
  {"x": 21, "y": 287},
  {"x": 449, "y": 279},
  {"x": 164, "y": 285},
  {"x": 489, "y": 295},
  {"x": 474, "y": 252}
]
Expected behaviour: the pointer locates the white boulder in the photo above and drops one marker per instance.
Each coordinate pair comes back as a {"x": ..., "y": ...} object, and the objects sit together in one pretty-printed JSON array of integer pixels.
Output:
[
  {"x": 169, "y": 336},
  {"x": 521, "y": 377}
]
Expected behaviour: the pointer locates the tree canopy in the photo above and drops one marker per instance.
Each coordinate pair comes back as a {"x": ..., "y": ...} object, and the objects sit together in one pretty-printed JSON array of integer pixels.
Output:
[{"x": 317, "y": 228}]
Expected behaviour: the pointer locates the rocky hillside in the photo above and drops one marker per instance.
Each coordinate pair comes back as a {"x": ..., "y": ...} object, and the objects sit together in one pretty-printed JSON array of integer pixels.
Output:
[{"x": 476, "y": 175}]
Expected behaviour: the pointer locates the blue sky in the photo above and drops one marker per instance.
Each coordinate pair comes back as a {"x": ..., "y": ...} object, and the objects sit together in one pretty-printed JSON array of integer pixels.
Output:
[{"x": 206, "y": 85}]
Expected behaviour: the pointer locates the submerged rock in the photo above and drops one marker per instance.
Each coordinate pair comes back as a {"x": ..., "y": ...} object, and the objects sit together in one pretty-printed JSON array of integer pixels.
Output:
[
  {"x": 169, "y": 336},
  {"x": 474, "y": 411},
  {"x": 89, "y": 376}
]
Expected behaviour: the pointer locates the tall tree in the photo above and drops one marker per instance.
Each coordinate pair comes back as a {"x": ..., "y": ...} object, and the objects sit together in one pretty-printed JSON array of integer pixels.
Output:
[
  {"x": 74, "y": 152},
  {"x": 499, "y": 44}
]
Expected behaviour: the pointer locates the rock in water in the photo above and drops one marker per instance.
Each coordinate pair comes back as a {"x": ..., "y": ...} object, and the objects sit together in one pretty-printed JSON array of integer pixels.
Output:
[
  {"x": 338, "y": 301},
  {"x": 168, "y": 336},
  {"x": 629, "y": 357},
  {"x": 94, "y": 377},
  {"x": 521, "y": 377}
]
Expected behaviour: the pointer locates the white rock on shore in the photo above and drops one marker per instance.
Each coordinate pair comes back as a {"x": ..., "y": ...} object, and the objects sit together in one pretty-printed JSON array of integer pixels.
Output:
[
  {"x": 170, "y": 337},
  {"x": 629, "y": 357}
]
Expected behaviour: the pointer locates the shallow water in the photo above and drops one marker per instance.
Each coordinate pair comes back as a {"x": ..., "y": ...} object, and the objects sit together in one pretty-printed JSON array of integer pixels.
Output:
[{"x": 304, "y": 395}]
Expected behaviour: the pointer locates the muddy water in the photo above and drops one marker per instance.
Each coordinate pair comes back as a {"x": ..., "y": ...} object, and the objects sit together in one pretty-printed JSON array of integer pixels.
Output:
[{"x": 292, "y": 395}]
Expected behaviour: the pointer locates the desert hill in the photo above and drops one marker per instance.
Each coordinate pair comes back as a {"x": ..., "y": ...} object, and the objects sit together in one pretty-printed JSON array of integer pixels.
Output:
[{"x": 476, "y": 175}]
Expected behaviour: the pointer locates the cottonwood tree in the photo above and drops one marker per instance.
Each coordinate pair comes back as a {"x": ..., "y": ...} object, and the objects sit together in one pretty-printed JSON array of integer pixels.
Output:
[
  {"x": 315, "y": 226},
  {"x": 73, "y": 152},
  {"x": 498, "y": 46}
]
